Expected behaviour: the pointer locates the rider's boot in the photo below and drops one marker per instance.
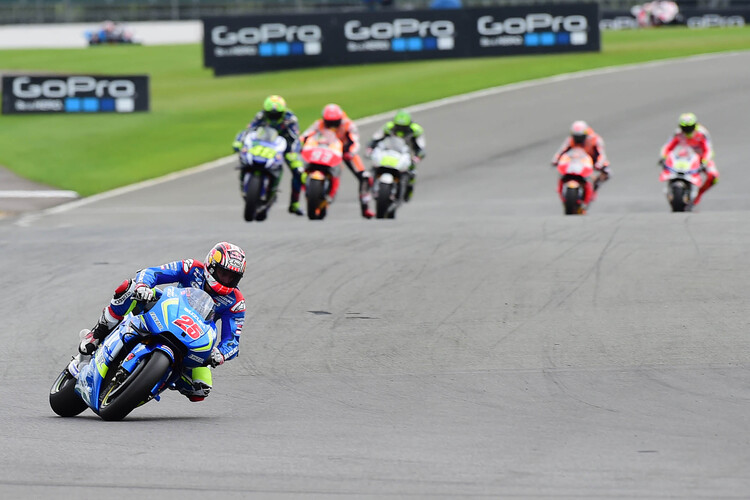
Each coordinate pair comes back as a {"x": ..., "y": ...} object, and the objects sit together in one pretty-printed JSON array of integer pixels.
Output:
[
  {"x": 195, "y": 384},
  {"x": 366, "y": 212},
  {"x": 333, "y": 190},
  {"x": 294, "y": 208},
  {"x": 90, "y": 339},
  {"x": 410, "y": 185}
]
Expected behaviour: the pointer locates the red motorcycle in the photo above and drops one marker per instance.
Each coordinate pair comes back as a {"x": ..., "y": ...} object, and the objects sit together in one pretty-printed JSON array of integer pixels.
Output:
[
  {"x": 681, "y": 170},
  {"x": 323, "y": 154},
  {"x": 576, "y": 169}
]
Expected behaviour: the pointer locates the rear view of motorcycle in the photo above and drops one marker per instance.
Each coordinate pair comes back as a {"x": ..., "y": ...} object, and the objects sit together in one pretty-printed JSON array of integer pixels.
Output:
[
  {"x": 261, "y": 159},
  {"x": 144, "y": 356},
  {"x": 323, "y": 154},
  {"x": 576, "y": 169},
  {"x": 681, "y": 171},
  {"x": 391, "y": 159}
]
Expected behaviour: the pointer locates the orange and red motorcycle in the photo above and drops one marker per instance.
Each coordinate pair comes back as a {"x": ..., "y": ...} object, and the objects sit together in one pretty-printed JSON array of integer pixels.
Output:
[{"x": 323, "y": 153}]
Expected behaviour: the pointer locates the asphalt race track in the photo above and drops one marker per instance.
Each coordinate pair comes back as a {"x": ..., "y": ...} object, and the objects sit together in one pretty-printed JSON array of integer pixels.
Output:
[{"x": 481, "y": 345}]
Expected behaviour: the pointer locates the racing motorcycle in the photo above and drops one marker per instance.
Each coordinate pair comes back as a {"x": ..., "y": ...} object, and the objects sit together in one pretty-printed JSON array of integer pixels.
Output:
[
  {"x": 261, "y": 161},
  {"x": 391, "y": 159},
  {"x": 141, "y": 358},
  {"x": 576, "y": 168},
  {"x": 322, "y": 153},
  {"x": 681, "y": 171}
]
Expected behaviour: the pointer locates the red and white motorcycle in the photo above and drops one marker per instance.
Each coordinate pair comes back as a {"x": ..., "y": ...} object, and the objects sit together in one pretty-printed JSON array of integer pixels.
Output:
[
  {"x": 576, "y": 169},
  {"x": 681, "y": 170}
]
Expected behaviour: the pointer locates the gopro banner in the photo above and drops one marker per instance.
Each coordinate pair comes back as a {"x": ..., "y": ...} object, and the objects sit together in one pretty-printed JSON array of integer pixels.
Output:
[
  {"x": 695, "y": 18},
  {"x": 74, "y": 94},
  {"x": 261, "y": 43}
]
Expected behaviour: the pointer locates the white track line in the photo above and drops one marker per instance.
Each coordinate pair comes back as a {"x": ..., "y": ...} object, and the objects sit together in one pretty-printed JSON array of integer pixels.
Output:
[
  {"x": 38, "y": 194},
  {"x": 221, "y": 162}
]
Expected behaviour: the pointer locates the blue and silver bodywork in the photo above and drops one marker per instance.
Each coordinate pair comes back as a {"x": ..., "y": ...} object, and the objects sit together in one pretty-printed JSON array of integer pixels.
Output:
[{"x": 180, "y": 324}]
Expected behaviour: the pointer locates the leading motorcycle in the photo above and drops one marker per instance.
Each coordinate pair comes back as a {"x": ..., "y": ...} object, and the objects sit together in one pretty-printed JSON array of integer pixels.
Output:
[
  {"x": 576, "y": 168},
  {"x": 391, "y": 159},
  {"x": 323, "y": 153},
  {"x": 141, "y": 358},
  {"x": 681, "y": 171},
  {"x": 261, "y": 161}
]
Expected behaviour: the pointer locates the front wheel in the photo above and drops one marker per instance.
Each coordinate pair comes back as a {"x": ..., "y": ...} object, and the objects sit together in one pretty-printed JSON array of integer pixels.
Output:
[
  {"x": 63, "y": 398},
  {"x": 128, "y": 391}
]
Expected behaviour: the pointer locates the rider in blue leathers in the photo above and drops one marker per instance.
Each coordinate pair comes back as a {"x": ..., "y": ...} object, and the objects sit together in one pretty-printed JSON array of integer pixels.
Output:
[
  {"x": 275, "y": 114},
  {"x": 218, "y": 275}
]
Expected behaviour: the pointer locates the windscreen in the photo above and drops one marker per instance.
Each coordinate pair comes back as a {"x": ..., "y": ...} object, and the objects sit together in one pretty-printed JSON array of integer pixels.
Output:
[{"x": 200, "y": 301}]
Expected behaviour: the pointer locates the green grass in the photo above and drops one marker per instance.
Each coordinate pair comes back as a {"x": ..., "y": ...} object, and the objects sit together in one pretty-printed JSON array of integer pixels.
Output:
[{"x": 194, "y": 116}]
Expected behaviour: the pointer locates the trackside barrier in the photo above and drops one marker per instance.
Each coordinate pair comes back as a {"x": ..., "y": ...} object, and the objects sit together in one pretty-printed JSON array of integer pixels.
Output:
[
  {"x": 691, "y": 17},
  {"x": 79, "y": 94},
  {"x": 250, "y": 44}
]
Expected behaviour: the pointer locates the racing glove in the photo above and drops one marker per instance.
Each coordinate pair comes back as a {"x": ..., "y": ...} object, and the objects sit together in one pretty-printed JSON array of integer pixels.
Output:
[
  {"x": 143, "y": 293},
  {"x": 217, "y": 358}
]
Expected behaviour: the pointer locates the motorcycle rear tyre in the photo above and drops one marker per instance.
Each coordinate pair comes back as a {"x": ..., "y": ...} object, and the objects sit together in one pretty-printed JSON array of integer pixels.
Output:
[
  {"x": 572, "y": 202},
  {"x": 678, "y": 197},
  {"x": 63, "y": 398},
  {"x": 252, "y": 197},
  {"x": 135, "y": 389},
  {"x": 383, "y": 201},
  {"x": 315, "y": 199}
]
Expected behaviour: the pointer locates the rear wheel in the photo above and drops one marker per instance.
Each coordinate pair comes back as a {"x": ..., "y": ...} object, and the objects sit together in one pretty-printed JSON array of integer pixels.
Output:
[
  {"x": 572, "y": 201},
  {"x": 678, "y": 197},
  {"x": 63, "y": 398},
  {"x": 252, "y": 196},
  {"x": 383, "y": 201},
  {"x": 128, "y": 391},
  {"x": 316, "y": 199}
]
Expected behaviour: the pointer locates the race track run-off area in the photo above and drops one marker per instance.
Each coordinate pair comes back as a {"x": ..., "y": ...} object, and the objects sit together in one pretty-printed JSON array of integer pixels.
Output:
[{"x": 480, "y": 345}]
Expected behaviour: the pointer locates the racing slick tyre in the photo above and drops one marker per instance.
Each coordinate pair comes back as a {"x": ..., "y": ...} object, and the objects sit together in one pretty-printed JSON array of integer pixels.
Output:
[
  {"x": 572, "y": 201},
  {"x": 316, "y": 200},
  {"x": 252, "y": 196},
  {"x": 383, "y": 201},
  {"x": 63, "y": 398},
  {"x": 678, "y": 197},
  {"x": 126, "y": 391}
]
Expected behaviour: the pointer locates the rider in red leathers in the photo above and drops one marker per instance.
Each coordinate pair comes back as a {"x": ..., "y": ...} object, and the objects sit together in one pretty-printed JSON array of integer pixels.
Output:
[
  {"x": 583, "y": 136},
  {"x": 695, "y": 135},
  {"x": 346, "y": 130}
]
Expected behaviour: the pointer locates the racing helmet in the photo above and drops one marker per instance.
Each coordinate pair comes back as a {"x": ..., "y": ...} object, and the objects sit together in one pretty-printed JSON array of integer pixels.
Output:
[
  {"x": 224, "y": 267},
  {"x": 274, "y": 108},
  {"x": 402, "y": 122},
  {"x": 688, "y": 121},
  {"x": 579, "y": 131},
  {"x": 332, "y": 115}
]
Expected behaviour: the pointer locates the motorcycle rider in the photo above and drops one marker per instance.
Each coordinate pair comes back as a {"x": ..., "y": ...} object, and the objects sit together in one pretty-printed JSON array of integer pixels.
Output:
[
  {"x": 276, "y": 115},
  {"x": 335, "y": 119},
  {"x": 695, "y": 135},
  {"x": 403, "y": 126},
  {"x": 583, "y": 136},
  {"x": 218, "y": 275}
]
